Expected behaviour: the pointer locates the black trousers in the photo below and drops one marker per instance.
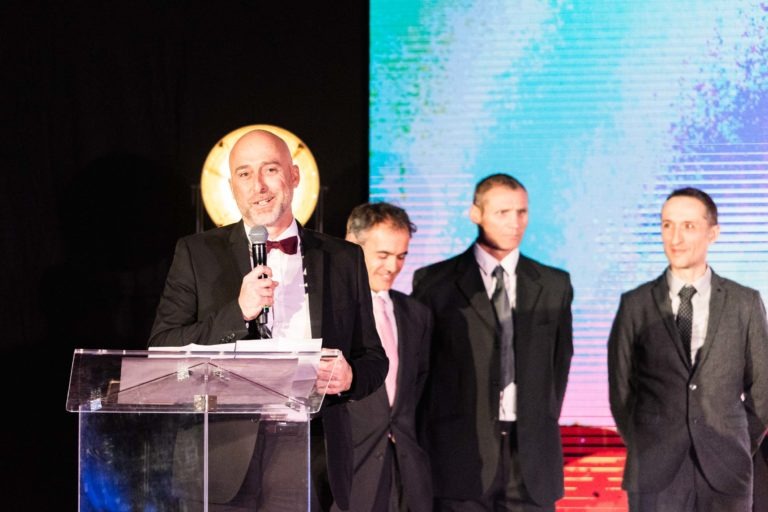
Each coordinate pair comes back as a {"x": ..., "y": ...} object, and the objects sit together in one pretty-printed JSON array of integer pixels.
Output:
[
  {"x": 271, "y": 483},
  {"x": 389, "y": 495},
  {"x": 688, "y": 491},
  {"x": 507, "y": 493}
]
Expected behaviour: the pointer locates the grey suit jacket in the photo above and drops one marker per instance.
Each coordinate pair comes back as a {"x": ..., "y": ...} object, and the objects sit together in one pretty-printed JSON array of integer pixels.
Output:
[
  {"x": 373, "y": 419},
  {"x": 462, "y": 428},
  {"x": 662, "y": 405},
  {"x": 199, "y": 305}
]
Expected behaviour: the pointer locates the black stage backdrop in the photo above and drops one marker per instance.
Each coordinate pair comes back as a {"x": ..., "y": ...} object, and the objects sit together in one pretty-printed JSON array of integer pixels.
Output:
[{"x": 109, "y": 110}]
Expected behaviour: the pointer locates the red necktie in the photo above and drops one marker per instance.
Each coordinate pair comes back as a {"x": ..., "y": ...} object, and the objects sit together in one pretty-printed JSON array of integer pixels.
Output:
[
  {"x": 287, "y": 245},
  {"x": 386, "y": 328}
]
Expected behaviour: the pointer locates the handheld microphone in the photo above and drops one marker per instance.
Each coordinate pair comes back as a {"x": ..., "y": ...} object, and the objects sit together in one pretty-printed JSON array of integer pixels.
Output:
[{"x": 258, "y": 236}]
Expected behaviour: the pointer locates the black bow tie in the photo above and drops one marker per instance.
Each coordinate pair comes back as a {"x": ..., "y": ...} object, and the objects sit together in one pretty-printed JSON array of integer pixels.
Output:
[{"x": 287, "y": 245}]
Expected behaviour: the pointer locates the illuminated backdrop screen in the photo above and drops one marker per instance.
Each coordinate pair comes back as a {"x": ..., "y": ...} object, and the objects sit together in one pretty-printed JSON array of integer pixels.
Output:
[{"x": 600, "y": 108}]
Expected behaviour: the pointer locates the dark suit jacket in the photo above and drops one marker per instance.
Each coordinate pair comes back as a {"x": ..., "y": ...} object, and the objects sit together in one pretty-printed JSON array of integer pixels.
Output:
[
  {"x": 462, "y": 429},
  {"x": 662, "y": 406},
  {"x": 199, "y": 305},
  {"x": 373, "y": 419}
]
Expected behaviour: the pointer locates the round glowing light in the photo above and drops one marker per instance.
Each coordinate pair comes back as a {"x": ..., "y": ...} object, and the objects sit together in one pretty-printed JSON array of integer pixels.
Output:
[{"x": 214, "y": 182}]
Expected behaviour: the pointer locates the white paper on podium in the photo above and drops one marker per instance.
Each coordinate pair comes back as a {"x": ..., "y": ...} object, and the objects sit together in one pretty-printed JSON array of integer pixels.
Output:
[
  {"x": 280, "y": 345},
  {"x": 227, "y": 370}
]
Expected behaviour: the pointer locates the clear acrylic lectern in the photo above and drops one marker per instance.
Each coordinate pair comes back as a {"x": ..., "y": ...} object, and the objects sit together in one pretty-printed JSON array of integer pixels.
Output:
[{"x": 194, "y": 430}]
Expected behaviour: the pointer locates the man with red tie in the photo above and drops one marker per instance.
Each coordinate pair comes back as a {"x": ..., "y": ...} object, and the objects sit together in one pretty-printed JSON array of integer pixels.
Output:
[
  {"x": 320, "y": 290},
  {"x": 391, "y": 469}
]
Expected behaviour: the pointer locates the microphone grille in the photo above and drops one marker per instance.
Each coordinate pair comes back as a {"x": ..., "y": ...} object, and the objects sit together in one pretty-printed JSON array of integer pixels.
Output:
[{"x": 258, "y": 235}]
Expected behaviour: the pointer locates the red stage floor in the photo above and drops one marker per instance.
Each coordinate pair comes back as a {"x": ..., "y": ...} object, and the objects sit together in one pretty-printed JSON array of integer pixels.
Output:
[{"x": 594, "y": 463}]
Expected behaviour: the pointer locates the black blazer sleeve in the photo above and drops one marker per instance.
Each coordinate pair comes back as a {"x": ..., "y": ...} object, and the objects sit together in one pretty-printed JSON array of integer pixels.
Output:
[
  {"x": 199, "y": 302},
  {"x": 366, "y": 356},
  {"x": 620, "y": 380}
]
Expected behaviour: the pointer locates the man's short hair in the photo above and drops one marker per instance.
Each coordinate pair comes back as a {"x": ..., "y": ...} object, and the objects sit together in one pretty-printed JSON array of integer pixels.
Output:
[
  {"x": 495, "y": 180},
  {"x": 702, "y": 196},
  {"x": 367, "y": 215}
]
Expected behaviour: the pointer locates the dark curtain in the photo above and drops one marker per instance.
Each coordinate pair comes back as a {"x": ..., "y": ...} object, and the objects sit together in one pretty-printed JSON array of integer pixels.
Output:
[{"x": 108, "y": 112}]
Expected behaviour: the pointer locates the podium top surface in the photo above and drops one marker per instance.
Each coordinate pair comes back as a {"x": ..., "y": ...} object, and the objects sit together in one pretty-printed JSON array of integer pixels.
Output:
[{"x": 198, "y": 380}]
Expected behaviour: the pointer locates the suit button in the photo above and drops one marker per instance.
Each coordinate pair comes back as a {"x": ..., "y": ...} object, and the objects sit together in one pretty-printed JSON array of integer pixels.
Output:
[{"x": 692, "y": 387}]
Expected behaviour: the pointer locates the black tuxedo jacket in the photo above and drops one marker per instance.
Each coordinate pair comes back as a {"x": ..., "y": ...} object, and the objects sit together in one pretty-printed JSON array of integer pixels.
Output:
[
  {"x": 662, "y": 405},
  {"x": 462, "y": 398},
  {"x": 199, "y": 305},
  {"x": 373, "y": 419}
]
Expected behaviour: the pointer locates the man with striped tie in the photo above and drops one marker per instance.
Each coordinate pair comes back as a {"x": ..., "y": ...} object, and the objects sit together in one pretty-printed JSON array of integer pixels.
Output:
[{"x": 688, "y": 374}]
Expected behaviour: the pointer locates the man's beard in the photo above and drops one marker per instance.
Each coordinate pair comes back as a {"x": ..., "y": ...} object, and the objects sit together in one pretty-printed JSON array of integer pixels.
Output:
[{"x": 268, "y": 218}]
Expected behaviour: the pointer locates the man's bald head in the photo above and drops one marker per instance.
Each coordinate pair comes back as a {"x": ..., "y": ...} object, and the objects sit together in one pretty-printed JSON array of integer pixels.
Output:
[{"x": 263, "y": 178}]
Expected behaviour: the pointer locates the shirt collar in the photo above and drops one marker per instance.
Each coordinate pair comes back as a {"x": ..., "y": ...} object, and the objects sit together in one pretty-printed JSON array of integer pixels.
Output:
[
  {"x": 702, "y": 284},
  {"x": 384, "y": 294},
  {"x": 292, "y": 230},
  {"x": 487, "y": 263}
]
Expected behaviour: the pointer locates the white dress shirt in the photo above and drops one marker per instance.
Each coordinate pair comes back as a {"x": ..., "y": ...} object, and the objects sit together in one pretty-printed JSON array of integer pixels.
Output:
[
  {"x": 289, "y": 315},
  {"x": 700, "y": 303},
  {"x": 486, "y": 262}
]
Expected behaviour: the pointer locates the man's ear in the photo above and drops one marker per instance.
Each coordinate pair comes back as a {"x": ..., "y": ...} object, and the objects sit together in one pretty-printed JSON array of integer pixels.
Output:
[
  {"x": 475, "y": 214},
  {"x": 714, "y": 233},
  {"x": 295, "y": 175}
]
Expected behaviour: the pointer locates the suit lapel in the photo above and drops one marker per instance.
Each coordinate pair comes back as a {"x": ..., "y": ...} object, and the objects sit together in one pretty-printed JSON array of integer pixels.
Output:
[
  {"x": 404, "y": 324},
  {"x": 471, "y": 286},
  {"x": 527, "y": 295},
  {"x": 660, "y": 292},
  {"x": 482, "y": 340},
  {"x": 312, "y": 261},
  {"x": 240, "y": 248},
  {"x": 717, "y": 299}
]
